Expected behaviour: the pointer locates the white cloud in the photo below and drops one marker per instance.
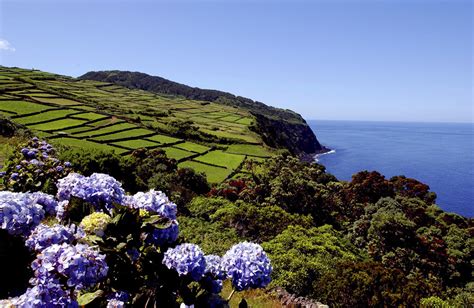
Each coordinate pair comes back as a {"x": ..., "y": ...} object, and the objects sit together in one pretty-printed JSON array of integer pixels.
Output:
[{"x": 5, "y": 45}]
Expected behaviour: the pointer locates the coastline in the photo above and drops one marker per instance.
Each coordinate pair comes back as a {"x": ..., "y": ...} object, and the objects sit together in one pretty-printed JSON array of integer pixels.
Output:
[{"x": 312, "y": 157}]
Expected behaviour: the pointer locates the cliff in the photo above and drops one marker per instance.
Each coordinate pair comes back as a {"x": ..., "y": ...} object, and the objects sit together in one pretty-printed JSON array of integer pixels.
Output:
[{"x": 280, "y": 128}]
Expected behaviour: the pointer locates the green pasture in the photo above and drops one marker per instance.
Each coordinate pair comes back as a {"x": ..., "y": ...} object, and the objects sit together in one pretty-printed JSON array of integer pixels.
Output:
[
  {"x": 107, "y": 130},
  {"x": 57, "y": 125},
  {"x": 192, "y": 147},
  {"x": 136, "y": 143},
  {"x": 86, "y": 144},
  {"x": 220, "y": 158},
  {"x": 137, "y": 132},
  {"x": 249, "y": 149},
  {"x": 176, "y": 153},
  {"x": 45, "y": 116},
  {"x": 22, "y": 107},
  {"x": 213, "y": 174},
  {"x": 90, "y": 116},
  {"x": 163, "y": 139}
]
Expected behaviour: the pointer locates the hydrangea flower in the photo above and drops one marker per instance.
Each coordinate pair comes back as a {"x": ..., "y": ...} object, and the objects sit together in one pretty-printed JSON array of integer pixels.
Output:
[
  {"x": 95, "y": 223},
  {"x": 186, "y": 259},
  {"x": 19, "y": 213},
  {"x": 160, "y": 237},
  {"x": 44, "y": 236},
  {"x": 96, "y": 189},
  {"x": 154, "y": 202},
  {"x": 47, "y": 201},
  {"x": 247, "y": 265},
  {"x": 211, "y": 285},
  {"x": 81, "y": 265},
  {"x": 48, "y": 294},
  {"x": 214, "y": 267},
  {"x": 117, "y": 299}
]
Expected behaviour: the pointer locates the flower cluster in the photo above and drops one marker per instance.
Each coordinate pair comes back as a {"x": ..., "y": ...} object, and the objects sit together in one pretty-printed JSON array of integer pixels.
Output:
[
  {"x": 80, "y": 264},
  {"x": 47, "y": 201},
  {"x": 44, "y": 236},
  {"x": 48, "y": 294},
  {"x": 247, "y": 265},
  {"x": 95, "y": 223},
  {"x": 186, "y": 259},
  {"x": 117, "y": 299},
  {"x": 160, "y": 237},
  {"x": 19, "y": 213},
  {"x": 32, "y": 166},
  {"x": 98, "y": 189},
  {"x": 152, "y": 202}
]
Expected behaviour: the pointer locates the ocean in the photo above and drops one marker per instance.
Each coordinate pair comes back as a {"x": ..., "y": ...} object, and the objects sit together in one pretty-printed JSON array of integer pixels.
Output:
[{"x": 440, "y": 155}]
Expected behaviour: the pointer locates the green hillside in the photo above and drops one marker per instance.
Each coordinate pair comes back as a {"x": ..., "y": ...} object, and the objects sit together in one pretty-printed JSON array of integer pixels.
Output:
[{"x": 209, "y": 137}]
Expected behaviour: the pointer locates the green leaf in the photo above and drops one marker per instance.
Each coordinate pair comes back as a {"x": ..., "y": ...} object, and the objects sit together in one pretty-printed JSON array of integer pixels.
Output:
[
  {"x": 88, "y": 298},
  {"x": 157, "y": 221}
]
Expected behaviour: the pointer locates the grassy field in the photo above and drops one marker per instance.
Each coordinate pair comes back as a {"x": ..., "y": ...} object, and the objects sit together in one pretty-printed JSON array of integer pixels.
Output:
[{"x": 65, "y": 110}]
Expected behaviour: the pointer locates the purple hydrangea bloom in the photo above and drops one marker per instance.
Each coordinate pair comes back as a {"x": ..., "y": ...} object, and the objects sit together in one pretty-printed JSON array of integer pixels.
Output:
[
  {"x": 47, "y": 201},
  {"x": 96, "y": 189},
  {"x": 186, "y": 259},
  {"x": 154, "y": 202},
  {"x": 211, "y": 285},
  {"x": 117, "y": 299},
  {"x": 48, "y": 294},
  {"x": 80, "y": 264},
  {"x": 214, "y": 267},
  {"x": 19, "y": 213},
  {"x": 2, "y": 174},
  {"x": 67, "y": 164},
  {"x": 160, "y": 237},
  {"x": 14, "y": 176},
  {"x": 247, "y": 265},
  {"x": 59, "y": 168},
  {"x": 133, "y": 254},
  {"x": 44, "y": 236}
]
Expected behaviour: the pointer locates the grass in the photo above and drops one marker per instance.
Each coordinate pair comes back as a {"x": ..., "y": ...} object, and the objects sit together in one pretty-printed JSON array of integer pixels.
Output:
[
  {"x": 219, "y": 158},
  {"x": 57, "y": 101},
  {"x": 163, "y": 139},
  {"x": 22, "y": 107},
  {"x": 249, "y": 149},
  {"x": 85, "y": 144},
  {"x": 108, "y": 129},
  {"x": 214, "y": 174},
  {"x": 56, "y": 125},
  {"x": 90, "y": 116},
  {"x": 138, "y": 132},
  {"x": 123, "y": 105},
  {"x": 177, "y": 154},
  {"x": 45, "y": 116},
  {"x": 193, "y": 147},
  {"x": 136, "y": 144}
]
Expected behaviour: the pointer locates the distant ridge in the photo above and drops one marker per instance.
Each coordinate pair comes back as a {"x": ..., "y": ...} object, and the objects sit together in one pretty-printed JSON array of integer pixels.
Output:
[{"x": 280, "y": 128}]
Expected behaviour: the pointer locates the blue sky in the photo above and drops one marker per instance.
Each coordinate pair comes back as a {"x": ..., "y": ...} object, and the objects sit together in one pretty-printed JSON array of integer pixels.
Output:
[{"x": 341, "y": 60}]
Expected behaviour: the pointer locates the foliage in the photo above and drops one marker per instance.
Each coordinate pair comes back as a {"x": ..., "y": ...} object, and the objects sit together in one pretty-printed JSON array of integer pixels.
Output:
[
  {"x": 300, "y": 257},
  {"x": 33, "y": 167}
]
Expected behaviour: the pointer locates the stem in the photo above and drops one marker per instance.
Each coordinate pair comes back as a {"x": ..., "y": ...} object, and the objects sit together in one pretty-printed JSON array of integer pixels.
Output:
[{"x": 231, "y": 294}]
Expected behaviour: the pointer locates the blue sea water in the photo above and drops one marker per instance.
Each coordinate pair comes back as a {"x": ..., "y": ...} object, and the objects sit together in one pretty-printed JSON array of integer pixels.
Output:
[{"x": 438, "y": 154}]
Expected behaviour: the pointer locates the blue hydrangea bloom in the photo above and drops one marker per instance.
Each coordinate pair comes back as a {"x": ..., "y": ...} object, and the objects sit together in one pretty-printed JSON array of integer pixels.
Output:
[
  {"x": 211, "y": 285},
  {"x": 248, "y": 266},
  {"x": 96, "y": 189},
  {"x": 81, "y": 265},
  {"x": 117, "y": 299},
  {"x": 153, "y": 202},
  {"x": 19, "y": 213},
  {"x": 214, "y": 267},
  {"x": 48, "y": 202},
  {"x": 48, "y": 294},
  {"x": 44, "y": 236},
  {"x": 160, "y": 237},
  {"x": 186, "y": 259}
]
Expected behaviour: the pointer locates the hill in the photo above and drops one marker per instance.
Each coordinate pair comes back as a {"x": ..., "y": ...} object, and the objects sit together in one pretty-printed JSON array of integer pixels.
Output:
[
  {"x": 281, "y": 128},
  {"x": 210, "y": 137}
]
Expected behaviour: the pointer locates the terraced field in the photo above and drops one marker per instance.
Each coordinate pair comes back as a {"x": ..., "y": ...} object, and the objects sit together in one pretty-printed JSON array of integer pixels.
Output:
[{"x": 97, "y": 115}]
